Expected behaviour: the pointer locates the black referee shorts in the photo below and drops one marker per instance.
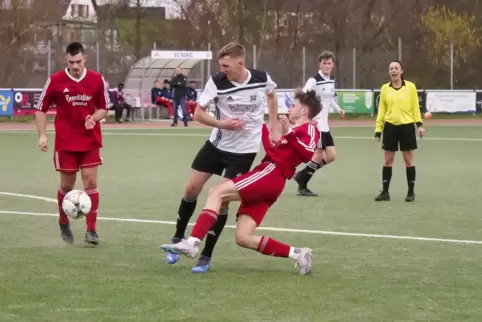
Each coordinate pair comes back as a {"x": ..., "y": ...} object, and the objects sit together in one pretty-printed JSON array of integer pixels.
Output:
[{"x": 395, "y": 135}]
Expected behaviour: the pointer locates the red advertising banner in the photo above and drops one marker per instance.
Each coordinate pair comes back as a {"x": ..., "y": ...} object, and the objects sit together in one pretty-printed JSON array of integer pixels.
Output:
[{"x": 26, "y": 100}]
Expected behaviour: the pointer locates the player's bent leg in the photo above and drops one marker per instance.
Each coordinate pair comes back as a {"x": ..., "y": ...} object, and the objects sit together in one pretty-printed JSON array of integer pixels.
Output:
[
  {"x": 246, "y": 238},
  {"x": 203, "y": 264},
  {"x": 305, "y": 175},
  {"x": 89, "y": 179},
  {"x": 329, "y": 156},
  {"x": 411, "y": 174},
  {"x": 222, "y": 193},
  {"x": 235, "y": 166},
  {"x": 67, "y": 183},
  {"x": 195, "y": 184},
  {"x": 389, "y": 157}
]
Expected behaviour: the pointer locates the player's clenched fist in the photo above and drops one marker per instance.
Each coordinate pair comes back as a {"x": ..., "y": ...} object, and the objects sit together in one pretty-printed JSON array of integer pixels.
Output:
[{"x": 42, "y": 143}]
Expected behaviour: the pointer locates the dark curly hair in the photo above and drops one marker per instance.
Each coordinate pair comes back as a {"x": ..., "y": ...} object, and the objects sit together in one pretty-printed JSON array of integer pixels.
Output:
[{"x": 310, "y": 100}]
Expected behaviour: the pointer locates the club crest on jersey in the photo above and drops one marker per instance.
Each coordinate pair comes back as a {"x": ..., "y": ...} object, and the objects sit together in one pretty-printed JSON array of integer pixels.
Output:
[{"x": 78, "y": 100}]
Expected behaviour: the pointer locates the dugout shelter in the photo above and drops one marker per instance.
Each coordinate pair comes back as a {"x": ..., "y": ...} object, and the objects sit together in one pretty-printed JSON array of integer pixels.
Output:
[{"x": 159, "y": 66}]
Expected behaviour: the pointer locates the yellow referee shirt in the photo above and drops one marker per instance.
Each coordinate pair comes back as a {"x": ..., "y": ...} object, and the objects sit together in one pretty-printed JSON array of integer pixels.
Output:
[{"x": 398, "y": 106}]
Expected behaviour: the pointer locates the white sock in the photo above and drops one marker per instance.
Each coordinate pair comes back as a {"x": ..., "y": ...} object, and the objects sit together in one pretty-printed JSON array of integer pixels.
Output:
[
  {"x": 193, "y": 241},
  {"x": 294, "y": 253}
]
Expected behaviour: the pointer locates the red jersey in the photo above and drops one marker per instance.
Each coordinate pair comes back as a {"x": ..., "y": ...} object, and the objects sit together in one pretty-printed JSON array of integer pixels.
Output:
[
  {"x": 296, "y": 147},
  {"x": 74, "y": 100}
]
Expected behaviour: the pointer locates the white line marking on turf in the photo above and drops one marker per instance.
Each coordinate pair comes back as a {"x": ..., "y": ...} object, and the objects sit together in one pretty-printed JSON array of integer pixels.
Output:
[
  {"x": 207, "y": 134},
  {"x": 21, "y": 195},
  {"x": 290, "y": 230}
]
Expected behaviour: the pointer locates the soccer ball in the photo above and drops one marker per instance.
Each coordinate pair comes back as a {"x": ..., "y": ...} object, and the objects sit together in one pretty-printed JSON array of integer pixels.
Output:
[
  {"x": 76, "y": 204},
  {"x": 428, "y": 115}
]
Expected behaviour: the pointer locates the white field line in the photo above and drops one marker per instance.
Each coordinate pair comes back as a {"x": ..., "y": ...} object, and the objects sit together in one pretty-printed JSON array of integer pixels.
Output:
[
  {"x": 207, "y": 135},
  {"x": 277, "y": 229}
]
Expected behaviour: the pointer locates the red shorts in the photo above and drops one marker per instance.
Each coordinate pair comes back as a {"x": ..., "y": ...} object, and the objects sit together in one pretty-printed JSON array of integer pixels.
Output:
[
  {"x": 72, "y": 161},
  {"x": 259, "y": 189}
]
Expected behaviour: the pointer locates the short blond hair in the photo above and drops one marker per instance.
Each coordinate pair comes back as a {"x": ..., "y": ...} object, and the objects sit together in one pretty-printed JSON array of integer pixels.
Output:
[
  {"x": 325, "y": 55},
  {"x": 232, "y": 49}
]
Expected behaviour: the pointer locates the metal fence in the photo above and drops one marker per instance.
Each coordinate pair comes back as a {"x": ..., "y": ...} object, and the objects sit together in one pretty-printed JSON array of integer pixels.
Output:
[{"x": 354, "y": 68}]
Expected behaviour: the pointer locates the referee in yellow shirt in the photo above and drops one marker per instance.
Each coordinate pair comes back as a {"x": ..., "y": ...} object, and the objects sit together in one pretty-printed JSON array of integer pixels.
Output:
[{"x": 398, "y": 116}]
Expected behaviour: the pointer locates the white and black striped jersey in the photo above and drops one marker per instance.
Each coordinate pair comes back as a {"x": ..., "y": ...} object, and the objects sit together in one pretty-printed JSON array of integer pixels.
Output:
[
  {"x": 235, "y": 100},
  {"x": 325, "y": 88}
]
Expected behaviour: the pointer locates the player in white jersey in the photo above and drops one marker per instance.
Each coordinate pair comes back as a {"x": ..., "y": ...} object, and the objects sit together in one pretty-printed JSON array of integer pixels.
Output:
[
  {"x": 238, "y": 95},
  {"x": 324, "y": 85}
]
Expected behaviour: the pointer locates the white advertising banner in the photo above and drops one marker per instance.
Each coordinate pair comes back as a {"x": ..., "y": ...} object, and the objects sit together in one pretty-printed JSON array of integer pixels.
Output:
[{"x": 450, "y": 101}]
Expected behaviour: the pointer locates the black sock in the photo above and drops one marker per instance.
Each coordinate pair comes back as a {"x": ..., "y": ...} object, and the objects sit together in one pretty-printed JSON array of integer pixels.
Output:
[
  {"x": 386, "y": 177},
  {"x": 411, "y": 179},
  {"x": 215, "y": 233},
  {"x": 309, "y": 171},
  {"x": 185, "y": 212}
]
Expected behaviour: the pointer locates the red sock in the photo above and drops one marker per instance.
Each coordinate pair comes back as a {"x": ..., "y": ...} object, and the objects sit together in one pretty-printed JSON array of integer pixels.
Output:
[
  {"x": 91, "y": 219},
  {"x": 272, "y": 247},
  {"x": 204, "y": 222},
  {"x": 63, "y": 219}
]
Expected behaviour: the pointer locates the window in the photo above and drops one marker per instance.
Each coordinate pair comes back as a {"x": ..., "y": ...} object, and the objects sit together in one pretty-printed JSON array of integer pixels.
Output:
[
  {"x": 72, "y": 10},
  {"x": 83, "y": 10}
]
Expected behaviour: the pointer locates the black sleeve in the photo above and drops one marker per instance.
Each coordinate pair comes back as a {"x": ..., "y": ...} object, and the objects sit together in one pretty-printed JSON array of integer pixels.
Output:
[
  {"x": 183, "y": 81},
  {"x": 173, "y": 82}
]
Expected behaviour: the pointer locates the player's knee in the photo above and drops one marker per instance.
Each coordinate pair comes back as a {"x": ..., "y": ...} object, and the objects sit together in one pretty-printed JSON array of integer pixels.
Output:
[
  {"x": 330, "y": 157},
  {"x": 66, "y": 188},
  {"x": 67, "y": 181},
  {"x": 243, "y": 239},
  {"x": 408, "y": 159},
  {"x": 389, "y": 158},
  {"x": 192, "y": 190},
  {"x": 89, "y": 181}
]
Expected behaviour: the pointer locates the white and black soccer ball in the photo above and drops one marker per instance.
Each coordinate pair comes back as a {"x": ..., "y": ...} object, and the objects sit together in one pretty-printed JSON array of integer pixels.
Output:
[{"x": 76, "y": 204}]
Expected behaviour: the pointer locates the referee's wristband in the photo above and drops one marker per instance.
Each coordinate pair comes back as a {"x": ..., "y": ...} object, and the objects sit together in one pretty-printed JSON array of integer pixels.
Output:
[
  {"x": 419, "y": 124},
  {"x": 378, "y": 135}
]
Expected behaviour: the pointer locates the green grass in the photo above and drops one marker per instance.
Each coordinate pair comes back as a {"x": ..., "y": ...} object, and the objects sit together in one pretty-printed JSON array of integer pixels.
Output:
[{"x": 354, "y": 278}]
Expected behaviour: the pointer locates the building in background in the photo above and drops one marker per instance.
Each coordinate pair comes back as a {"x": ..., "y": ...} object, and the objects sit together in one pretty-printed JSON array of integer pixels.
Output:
[{"x": 172, "y": 7}]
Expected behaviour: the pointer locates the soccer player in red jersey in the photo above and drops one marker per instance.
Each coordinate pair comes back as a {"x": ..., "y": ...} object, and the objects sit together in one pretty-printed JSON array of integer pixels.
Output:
[
  {"x": 260, "y": 188},
  {"x": 81, "y": 99}
]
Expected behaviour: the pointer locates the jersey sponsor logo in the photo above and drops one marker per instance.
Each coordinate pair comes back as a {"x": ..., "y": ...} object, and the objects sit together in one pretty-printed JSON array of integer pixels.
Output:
[
  {"x": 78, "y": 100},
  {"x": 242, "y": 108}
]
